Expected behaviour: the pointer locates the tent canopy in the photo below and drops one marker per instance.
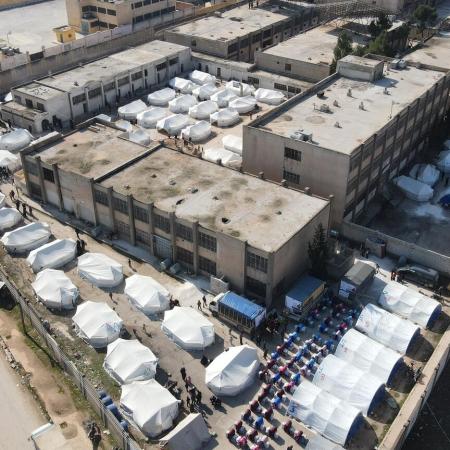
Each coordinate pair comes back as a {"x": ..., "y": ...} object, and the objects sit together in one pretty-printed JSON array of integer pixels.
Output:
[
  {"x": 199, "y": 77},
  {"x": 232, "y": 371},
  {"x": 9, "y": 217},
  {"x": 229, "y": 159},
  {"x": 318, "y": 442},
  {"x": 203, "y": 110},
  {"x": 182, "y": 103},
  {"x": 225, "y": 117},
  {"x": 240, "y": 89},
  {"x": 128, "y": 361},
  {"x": 100, "y": 270},
  {"x": 413, "y": 189},
  {"x": 204, "y": 92},
  {"x": 15, "y": 140},
  {"x": 161, "y": 97},
  {"x": 197, "y": 132},
  {"x": 131, "y": 110},
  {"x": 232, "y": 143},
  {"x": 182, "y": 85},
  {"x": 7, "y": 159},
  {"x": 147, "y": 294},
  {"x": 151, "y": 407},
  {"x": 304, "y": 289},
  {"x": 223, "y": 97},
  {"x": 139, "y": 137},
  {"x": 269, "y": 96},
  {"x": 123, "y": 125},
  {"x": 150, "y": 117},
  {"x": 243, "y": 104},
  {"x": 52, "y": 255},
  {"x": 27, "y": 237},
  {"x": 173, "y": 124}
]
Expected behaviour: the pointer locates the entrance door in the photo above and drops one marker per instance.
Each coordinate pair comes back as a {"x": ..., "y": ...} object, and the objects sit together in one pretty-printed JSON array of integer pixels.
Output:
[{"x": 163, "y": 247}]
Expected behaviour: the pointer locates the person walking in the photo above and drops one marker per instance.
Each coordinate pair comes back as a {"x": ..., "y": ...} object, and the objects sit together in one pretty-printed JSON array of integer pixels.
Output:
[
  {"x": 12, "y": 194},
  {"x": 199, "y": 305},
  {"x": 30, "y": 210},
  {"x": 183, "y": 373},
  {"x": 24, "y": 210},
  {"x": 17, "y": 202},
  {"x": 241, "y": 335},
  {"x": 199, "y": 397},
  {"x": 204, "y": 301},
  {"x": 188, "y": 401}
]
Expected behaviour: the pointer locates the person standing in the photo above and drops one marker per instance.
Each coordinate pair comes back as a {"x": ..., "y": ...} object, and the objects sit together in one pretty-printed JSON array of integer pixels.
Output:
[
  {"x": 199, "y": 397},
  {"x": 204, "y": 301},
  {"x": 199, "y": 305},
  {"x": 24, "y": 210},
  {"x": 183, "y": 373},
  {"x": 241, "y": 335}
]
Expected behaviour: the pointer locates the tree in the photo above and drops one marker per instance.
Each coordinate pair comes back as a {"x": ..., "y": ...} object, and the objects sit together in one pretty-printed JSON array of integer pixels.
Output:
[
  {"x": 381, "y": 45},
  {"x": 382, "y": 23},
  {"x": 318, "y": 252},
  {"x": 343, "y": 48},
  {"x": 360, "y": 50},
  {"x": 424, "y": 15}
]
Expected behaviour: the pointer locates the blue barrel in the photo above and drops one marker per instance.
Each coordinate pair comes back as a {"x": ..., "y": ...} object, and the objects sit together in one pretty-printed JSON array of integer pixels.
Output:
[
  {"x": 124, "y": 425},
  {"x": 113, "y": 408},
  {"x": 102, "y": 393},
  {"x": 274, "y": 356},
  {"x": 107, "y": 400}
]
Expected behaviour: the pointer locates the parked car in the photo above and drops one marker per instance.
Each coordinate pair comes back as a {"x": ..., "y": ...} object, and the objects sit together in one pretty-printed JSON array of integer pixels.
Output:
[{"x": 419, "y": 274}]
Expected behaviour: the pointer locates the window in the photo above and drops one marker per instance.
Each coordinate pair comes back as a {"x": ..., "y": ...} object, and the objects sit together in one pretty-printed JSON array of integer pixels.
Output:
[
  {"x": 136, "y": 76},
  {"x": 147, "y": 2},
  {"x": 40, "y": 106},
  {"x": 293, "y": 90},
  {"x": 207, "y": 265},
  {"x": 291, "y": 177},
  {"x": 85, "y": 8},
  {"x": 185, "y": 256},
  {"x": 123, "y": 228},
  {"x": 112, "y": 12},
  {"x": 160, "y": 67},
  {"x": 207, "y": 241},
  {"x": 141, "y": 214},
  {"x": 256, "y": 38},
  {"x": 163, "y": 223},
  {"x": 17, "y": 99},
  {"x": 101, "y": 197},
  {"x": 138, "y": 5},
  {"x": 138, "y": 19},
  {"x": 287, "y": 67},
  {"x": 256, "y": 262},
  {"x": 143, "y": 236},
  {"x": 232, "y": 48},
  {"x": 120, "y": 205},
  {"x": 148, "y": 16},
  {"x": 28, "y": 103},
  {"x": 101, "y": 10},
  {"x": 267, "y": 33},
  {"x": 109, "y": 86},
  {"x": 291, "y": 153},
  {"x": 94, "y": 92},
  {"x": 184, "y": 232},
  {"x": 245, "y": 42},
  {"x": 78, "y": 99},
  {"x": 278, "y": 29},
  {"x": 173, "y": 61},
  {"x": 280, "y": 87},
  {"x": 193, "y": 43},
  {"x": 31, "y": 168},
  {"x": 256, "y": 287},
  {"x": 253, "y": 80},
  {"x": 122, "y": 81},
  {"x": 48, "y": 175},
  {"x": 35, "y": 189}
]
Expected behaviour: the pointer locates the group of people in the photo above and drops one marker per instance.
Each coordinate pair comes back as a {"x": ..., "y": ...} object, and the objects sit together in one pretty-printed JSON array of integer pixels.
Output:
[
  {"x": 20, "y": 204},
  {"x": 199, "y": 303},
  {"x": 396, "y": 276},
  {"x": 5, "y": 175},
  {"x": 194, "y": 395}
]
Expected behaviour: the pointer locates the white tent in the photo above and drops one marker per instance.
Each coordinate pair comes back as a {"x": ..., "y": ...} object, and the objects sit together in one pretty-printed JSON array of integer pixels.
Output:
[
  {"x": 188, "y": 328},
  {"x": 203, "y": 110},
  {"x": 9, "y": 217},
  {"x": 150, "y": 406},
  {"x": 182, "y": 103},
  {"x": 226, "y": 157},
  {"x": 173, "y": 124},
  {"x": 131, "y": 110},
  {"x": 332, "y": 417},
  {"x": 232, "y": 143},
  {"x": 128, "y": 361},
  {"x": 269, "y": 96},
  {"x": 182, "y": 85},
  {"x": 52, "y": 255},
  {"x": 2, "y": 200},
  {"x": 147, "y": 294},
  {"x": 240, "y": 89},
  {"x": 15, "y": 140},
  {"x": 232, "y": 371},
  {"x": 225, "y": 117},
  {"x": 7, "y": 159},
  {"x": 139, "y": 137},
  {"x": 197, "y": 132},
  {"x": 223, "y": 97},
  {"x": 123, "y": 125},
  {"x": 27, "y": 237},
  {"x": 97, "y": 324},
  {"x": 409, "y": 303},
  {"x": 150, "y": 117},
  {"x": 100, "y": 270},
  {"x": 368, "y": 355},
  {"x": 199, "y": 77},
  {"x": 413, "y": 189},
  {"x": 443, "y": 161},
  {"x": 243, "y": 104},
  {"x": 425, "y": 173},
  {"x": 55, "y": 289},
  {"x": 103, "y": 117},
  {"x": 161, "y": 97},
  {"x": 343, "y": 380},
  {"x": 318, "y": 442},
  {"x": 386, "y": 328},
  {"x": 204, "y": 92}
]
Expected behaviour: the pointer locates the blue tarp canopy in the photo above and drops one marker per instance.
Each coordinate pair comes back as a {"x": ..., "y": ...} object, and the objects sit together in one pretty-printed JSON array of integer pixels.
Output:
[
  {"x": 242, "y": 305},
  {"x": 304, "y": 288}
]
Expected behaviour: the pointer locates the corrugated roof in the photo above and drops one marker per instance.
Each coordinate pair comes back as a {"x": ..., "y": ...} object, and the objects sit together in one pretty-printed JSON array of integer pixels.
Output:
[
  {"x": 242, "y": 305},
  {"x": 304, "y": 287}
]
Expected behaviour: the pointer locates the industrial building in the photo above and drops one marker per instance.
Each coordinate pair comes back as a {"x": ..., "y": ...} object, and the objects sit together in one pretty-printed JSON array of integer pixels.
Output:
[
  {"x": 215, "y": 221},
  {"x": 66, "y": 98},
  {"x": 351, "y": 133},
  {"x": 434, "y": 52}
]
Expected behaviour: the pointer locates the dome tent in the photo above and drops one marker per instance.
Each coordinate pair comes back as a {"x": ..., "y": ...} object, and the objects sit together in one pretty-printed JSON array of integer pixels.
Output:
[
  {"x": 9, "y": 217},
  {"x": 123, "y": 125},
  {"x": 173, "y": 124},
  {"x": 199, "y": 77},
  {"x": 204, "y": 92},
  {"x": 146, "y": 294},
  {"x": 128, "y": 361},
  {"x": 182, "y": 85},
  {"x": 203, "y": 110},
  {"x": 243, "y": 104},
  {"x": 131, "y": 110},
  {"x": 7, "y": 159},
  {"x": 97, "y": 324},
  {"x": 100, "y": 270},
  {"x": 181, "y": 104},
  {"x": 150, "y": 117},
  {"x": 15, "y": 140},
  {"x": 197, "y": 132},
  {"x": 225, "y": 117},
  {"x": 55, "y": 289},
  {"x": 150, "y": 406},
  {"x": 53, "y": 255},
  {"x": 223, "y": 97},
  {"x": 232, "y": 143},
  {"x": 413, "y": 189},
  {"x": 139, "y": 137},
  {"x": 27, "y": 237},
  {"x": 269, "y": 96},
  {"x": 232, "y": 371},
  {"x": 240, "y": 89},
  {"x": 188, "y": 328},
  {"x": 161, "y": 97},
  {"x": 226, "y": 157}
]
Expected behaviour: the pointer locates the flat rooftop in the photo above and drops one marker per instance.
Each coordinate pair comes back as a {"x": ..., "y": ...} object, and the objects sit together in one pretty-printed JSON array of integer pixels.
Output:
[
  {"x": 264, "y": 214},
  {"x": 434, "y": 52},
  {"x": 39, "y": 91},
  {"x": 355, "y": 125}
]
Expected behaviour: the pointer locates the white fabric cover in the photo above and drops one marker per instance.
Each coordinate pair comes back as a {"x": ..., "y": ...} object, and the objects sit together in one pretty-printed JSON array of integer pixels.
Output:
[
  {"x": 188, "y": 328},
  {"x": 443, "y": 162},
  {"x": 173, "y": 124},
  {"x": 103, "y": 117},
  {"x": 2, "y": 200},
  {"x": 150, "y": 117},
  {"x": 15, "y": 140},
  {"x": 199, "y": 77},
  {"x": 223, "y": 97},
  {"x": 161, "y": 97},
  {"x": 150, "y": 406},
  {"x": 9, "y": 217},
  {"x": 345, "y": 381},
  {"x": 131, "y": 110},
  {"x": 204, "y": 92},
  {"x": 182, "y": 103},
  {"x": 232, "y": 143},
  {"x": 52, "y": 255},
  {"x": 232, "y": 371},
  {"x": 55, "y": 289},
  {"x": 97, "y": 324},
  {"x": 408, "y": 303},
  {"x": 139, "y": 137},
  {"x": 386, "y": 328},
  {"x": 323, "y": 412},
  {"x": 203, "y": 110},
  {"x": 367, "y": 355},
  {"x": 227, "y": 158},
  {"x": 8, "y": 97},
  {"x": 100, "y": 270},
  {"x": 123, "y": 125},
  {"x": 182, "y": 85},
  {"x": 243, "y": 104},
  {"x": 269, "y": 96},
  {"x": 413, "y": 189},
  {"x": 146, "y": 294},
  {"x": 128, "y": 361},
  {"x": 27, "y": 237},
  {"x": 197, "y": 132},
  {"x": 225, "y": 117},
  {"x": 425, "y": 173},
  {"x": 7, "y": 159},
  {"x": 240, "y": 89},
  {"x": 318, "y": 442}
]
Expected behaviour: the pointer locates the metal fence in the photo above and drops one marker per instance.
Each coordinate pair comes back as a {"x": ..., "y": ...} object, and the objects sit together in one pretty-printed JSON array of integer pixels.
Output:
[{"x": 110, "y": 422}]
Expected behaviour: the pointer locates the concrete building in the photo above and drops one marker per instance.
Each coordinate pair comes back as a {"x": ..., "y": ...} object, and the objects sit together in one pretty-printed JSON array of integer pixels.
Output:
[
  {"x": 351, "y": 133},
  {"x": 89, "y": 16},
  {"x": 237, "y": 33},
  {"x": 69, "y": 97},
  {"x": 434, "y": 52},
  {"x": 213, "y": 220}
]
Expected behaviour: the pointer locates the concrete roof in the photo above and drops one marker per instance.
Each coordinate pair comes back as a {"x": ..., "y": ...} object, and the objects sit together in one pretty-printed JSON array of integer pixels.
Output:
[
  {"x": 356, "y": 125},
  {"x": 265, "y": 214},
  {"x": 434, "y": 52},
  {"x": 38, "y": 90}
]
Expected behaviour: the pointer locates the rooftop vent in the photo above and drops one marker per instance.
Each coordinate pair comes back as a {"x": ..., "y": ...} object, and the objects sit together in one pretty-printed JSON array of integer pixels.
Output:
[
  {"x": 225, "y": 220},
  {"x": 301, "y": 135},
  {"x": 325, "y": 108},
  {"x": 335, "y": 103},
  {"x": 321, "y": 94}
]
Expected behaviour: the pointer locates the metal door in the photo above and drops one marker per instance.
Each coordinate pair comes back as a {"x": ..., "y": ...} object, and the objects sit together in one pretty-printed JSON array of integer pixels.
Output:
[{"x": 163, "y": 247}]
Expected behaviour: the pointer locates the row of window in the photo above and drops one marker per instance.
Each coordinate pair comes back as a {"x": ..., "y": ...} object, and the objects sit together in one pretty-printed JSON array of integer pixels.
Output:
[
  {"x": 151, "y": 15},
  {"x": 29, "y": 103},
  {"x": 292, "y": 153},
  {"x": 138, "y": 5},
  {"x": 256, "y": 262},
  {"x": 291, "y": 177}
]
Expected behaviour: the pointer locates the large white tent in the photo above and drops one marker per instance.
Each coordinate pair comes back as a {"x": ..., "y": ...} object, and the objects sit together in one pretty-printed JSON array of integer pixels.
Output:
[
  {"x": 182, "y": 85},
  {"x": 97, "y": 324},
  {"x": 173, "y": 124},
  {"x": 232, "y": 371},
  {"x": 243, "y": 104},
  {"x": 368, "y": 355},
  {"x": 150, "y": 117},
  {"x": 161, "y": 97},
  {"x": 100, "y": 270},
  {"x": 269, "y": 96},
  {"x": 128, "y": 361},
  {"x": 7, "y": 159},
  {"x": 9, "y": 217},
  {"x": 52, "y": 255},
  {"x": 188, "y": 328},
  {"x": 223, "y": 97},
  {"x": 197, "y": 132},
  {"x": 55, "y": 289},
  {"x": 332, "y": 417},
  {"x": 226, "y": 158},
  {"x": 387, "y": 328},
  {"x": 199, "y": 77},
  {"x": 409, "y": 303},
  {"x": 182, "y": 104},
  {"x": 233, "y": 143},
  {"x": 205, "y": 91},
  {"x": 240, "y": 89},
  {"x": 150, "y": 406},
  {"x": 203, "y": 110},
  {"x": 225, "y": 117},
  {"x": 131, "y": 110},
  {"x": 27, "y": 237},
  {"x": 15, "y": 140},
  {"x": 146, "y": 294},
  {"x": 342, "y": 379},
  {"x": 318, "y": 442}
]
